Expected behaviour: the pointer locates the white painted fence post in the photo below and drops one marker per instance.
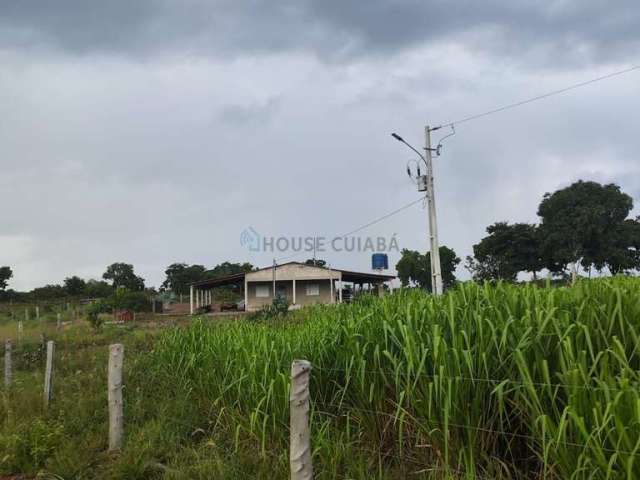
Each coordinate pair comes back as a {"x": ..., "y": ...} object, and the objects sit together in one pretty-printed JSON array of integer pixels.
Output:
[
  {"x": 37, "y": 313},
  {"x": 59, "y": 321},
  {"x": 7, "y": 364},
  {"x": 116, "y": 419},
  {"x": 300, "y": 434},
  {"x": 191, "y": 310},
  {"x": 48, "y": 374},
  {"x": 20, "y": 331}
]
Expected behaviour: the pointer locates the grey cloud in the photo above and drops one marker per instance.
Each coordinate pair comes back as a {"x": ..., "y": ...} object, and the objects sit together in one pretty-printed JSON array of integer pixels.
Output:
[
  {"x": 145, "y": 157},
  {"x": 558, "y": 31},
  {"x": 250, "y": 114}
]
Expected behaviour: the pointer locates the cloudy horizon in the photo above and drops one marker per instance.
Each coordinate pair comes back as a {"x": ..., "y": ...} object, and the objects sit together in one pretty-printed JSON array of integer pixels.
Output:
[{"x": 157, "y": 132}]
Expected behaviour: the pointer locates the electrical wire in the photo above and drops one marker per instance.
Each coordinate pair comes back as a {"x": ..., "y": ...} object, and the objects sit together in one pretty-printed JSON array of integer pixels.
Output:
[
  {"x": 540, "y": 97},
  {"x": 384, "y": 217},
  {"x": 362, "y": 227}
]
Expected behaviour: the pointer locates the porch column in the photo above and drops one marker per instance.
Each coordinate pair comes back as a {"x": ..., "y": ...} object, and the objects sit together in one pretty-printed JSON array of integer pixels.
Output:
[
  {"x": 191, "y": 299},
  {"x": 246, "y": 295},
  {"x": 294, "y": 290},
  {"x": 333, "y": 297}
]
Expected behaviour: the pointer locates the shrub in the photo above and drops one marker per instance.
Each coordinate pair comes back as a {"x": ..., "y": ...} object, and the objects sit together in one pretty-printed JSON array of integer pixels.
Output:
[
  {"x": 279, "y": 308},
  {"x": 93, "y": 313}
]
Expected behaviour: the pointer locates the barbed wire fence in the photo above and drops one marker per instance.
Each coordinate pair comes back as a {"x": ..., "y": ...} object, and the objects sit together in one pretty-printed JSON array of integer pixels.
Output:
[{"x": 306, "y": 412}]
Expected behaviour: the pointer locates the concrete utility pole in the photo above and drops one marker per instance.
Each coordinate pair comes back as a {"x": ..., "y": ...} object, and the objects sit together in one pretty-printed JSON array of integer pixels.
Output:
[
  {"x": 274, "y": 278},
  {"x": 436, "y": 273},
  {"x": 425, "y": 184}
]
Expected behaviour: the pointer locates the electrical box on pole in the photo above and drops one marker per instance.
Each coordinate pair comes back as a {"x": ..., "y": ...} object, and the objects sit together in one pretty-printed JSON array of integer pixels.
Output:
[{"x": 422, "y": 183}]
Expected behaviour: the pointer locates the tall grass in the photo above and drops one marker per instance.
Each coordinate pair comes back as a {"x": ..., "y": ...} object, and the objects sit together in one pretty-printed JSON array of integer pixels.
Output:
[{"x": 487, "y": 381}]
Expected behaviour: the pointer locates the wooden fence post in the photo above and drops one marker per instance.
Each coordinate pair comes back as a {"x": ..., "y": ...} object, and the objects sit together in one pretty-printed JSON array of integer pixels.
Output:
[
  {"x": 7, "y": 363},
  {"x": 59, "y": 321},
  {"x": 26, "y": 314},
  {"x": 48, "y": 374},
  {"x": 20, "y": 331},
  {"x": 116, "y": 420},
  {"x": 300, "y": 435},
  {"x": 37, "y": 313}
]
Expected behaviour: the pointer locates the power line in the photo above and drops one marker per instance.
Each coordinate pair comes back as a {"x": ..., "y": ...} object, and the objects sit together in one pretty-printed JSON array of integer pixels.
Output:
[
  {"x": 362, "y": 227},
  {"x": 540, "y": 97},
  {"x": 384, "y": 217}
]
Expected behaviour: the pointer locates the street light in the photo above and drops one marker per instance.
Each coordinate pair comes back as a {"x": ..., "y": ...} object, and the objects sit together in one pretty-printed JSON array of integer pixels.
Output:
[
  {"x": 402, "y": 140},
  {"x": 425, "y": 183}
]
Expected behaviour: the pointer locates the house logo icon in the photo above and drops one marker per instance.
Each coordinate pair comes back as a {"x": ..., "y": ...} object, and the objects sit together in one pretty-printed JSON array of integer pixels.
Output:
[{"x": 251, "y": 239}]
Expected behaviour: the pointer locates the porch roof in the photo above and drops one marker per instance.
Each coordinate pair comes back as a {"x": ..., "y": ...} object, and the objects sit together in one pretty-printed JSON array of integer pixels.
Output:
[{"x": 347, "y": 276}]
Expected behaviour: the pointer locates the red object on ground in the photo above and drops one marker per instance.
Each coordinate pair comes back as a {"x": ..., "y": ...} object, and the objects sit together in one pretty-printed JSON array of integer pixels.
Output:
[{"x": 125, "y": 316}]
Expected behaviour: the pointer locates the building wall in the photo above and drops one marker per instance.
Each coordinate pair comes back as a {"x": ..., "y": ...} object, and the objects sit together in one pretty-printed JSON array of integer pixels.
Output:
[
  {"x": 324, "y": 290},
  {"x": 291, "y": 271},
  {"x": 255, "y": 303}
]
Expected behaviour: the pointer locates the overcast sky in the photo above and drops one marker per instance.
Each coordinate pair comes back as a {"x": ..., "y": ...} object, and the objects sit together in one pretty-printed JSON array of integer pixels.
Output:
[{"x": 155, "y": 131}]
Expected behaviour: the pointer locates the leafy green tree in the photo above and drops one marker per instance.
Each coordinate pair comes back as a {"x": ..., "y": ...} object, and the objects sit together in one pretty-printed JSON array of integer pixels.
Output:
[
  {"x": 415, "y": 268},
  {"x": 506, "y": 251},
  {"x": 180, "y": 275},
  {"x": 75, "y": 286},
  {"x": 122, "y": 275},
  {"x": 228, "y": 268},
  {"x": 136, "y": 301},
  {"x": 98, "y": 289},
  {"x": 624, "y": 252},
  {"x": 5, "y": 274},
  {"x": 229, "y": 292},
  {"x": 316, "y": 262},
  {"x": 577, "y": 222},
  {"x": 48, "y": 292}
]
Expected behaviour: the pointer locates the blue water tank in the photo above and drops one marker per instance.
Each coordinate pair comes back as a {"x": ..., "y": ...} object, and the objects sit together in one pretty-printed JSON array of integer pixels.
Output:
[{"x": 379, "y": 261}]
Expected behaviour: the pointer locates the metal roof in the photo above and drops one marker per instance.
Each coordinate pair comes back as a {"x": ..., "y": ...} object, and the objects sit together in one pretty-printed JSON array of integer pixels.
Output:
[{"x": 347, "y": 276}]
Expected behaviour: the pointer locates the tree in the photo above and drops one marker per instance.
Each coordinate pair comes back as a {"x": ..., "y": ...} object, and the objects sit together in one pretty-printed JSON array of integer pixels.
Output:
[
  {"x": 415, "y": 268},
  {"x": 98, "y": 289},
  {"x": 577, "y": 222},
  {"x": 624, "y": 251},
  {"x": 48, "y": 292},
  {"x": 224, "y": 269},
  {"x": 506, "y": 251},
  {"x": 228, "y": 268},
  {"x": 180, "y": 275},
  {"x": 5, "y": 274},
  {"x": 75, "y": 286},
  {"x": 315, "y": 262},
  {"x": 122, "y": 275}
]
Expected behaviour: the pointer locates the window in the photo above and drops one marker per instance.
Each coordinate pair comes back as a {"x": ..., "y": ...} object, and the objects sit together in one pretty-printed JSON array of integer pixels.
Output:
[
  {"x": 262, "y": 291},
  {"x": 313, "y": 289}
]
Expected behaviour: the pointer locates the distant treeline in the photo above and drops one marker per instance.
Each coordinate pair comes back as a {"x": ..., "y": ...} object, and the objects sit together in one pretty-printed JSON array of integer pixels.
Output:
[{"x": 584, "y": 225}]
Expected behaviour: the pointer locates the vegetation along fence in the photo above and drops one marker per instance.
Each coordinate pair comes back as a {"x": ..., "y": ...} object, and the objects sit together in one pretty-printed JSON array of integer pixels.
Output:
[{"x": 486, "y": 382}]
